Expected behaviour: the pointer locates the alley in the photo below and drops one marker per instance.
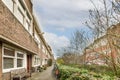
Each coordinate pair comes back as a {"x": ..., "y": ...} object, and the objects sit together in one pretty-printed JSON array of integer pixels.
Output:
[{"x": 45, "y": 75}]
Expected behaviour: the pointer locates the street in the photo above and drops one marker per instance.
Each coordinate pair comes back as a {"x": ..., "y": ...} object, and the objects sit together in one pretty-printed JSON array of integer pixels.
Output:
[{"x": 44, "y": 75}]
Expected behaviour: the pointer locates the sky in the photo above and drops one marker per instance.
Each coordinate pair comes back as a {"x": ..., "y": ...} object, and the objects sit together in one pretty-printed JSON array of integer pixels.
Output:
[{"x": 59, "y": 18}]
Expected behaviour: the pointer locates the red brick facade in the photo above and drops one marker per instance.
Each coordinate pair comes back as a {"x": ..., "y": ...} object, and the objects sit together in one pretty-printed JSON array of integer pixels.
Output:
[
  {"x": 29, "y": 5},
  {"x": 14, "y": 34},
  {"x": 112, "y": 46},
  {"x": 114, "y": 38},
  {"x": 12, "y": 29}
]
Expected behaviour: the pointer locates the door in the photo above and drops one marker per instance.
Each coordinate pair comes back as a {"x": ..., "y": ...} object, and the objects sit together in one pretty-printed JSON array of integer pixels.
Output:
[{"x": 29, "y": 63}]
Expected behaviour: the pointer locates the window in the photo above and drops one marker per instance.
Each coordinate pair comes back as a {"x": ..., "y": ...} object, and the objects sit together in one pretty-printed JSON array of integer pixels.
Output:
[
  {"x": 18, "y": 8},
  {"x": 24, "y": 15},
  {"x": 8, "y": 52},
  {"x": 20, "y": 16},
  {"x": 43, "y": 49},
  {"x": 37, "y": 39},
  {"x": 12, "y": 59},
  {"x": 28, "y": 20},
  {"x": 8, "y": 59},
  {"x": 20, "y": 58},
  {"x": 8, "y": 63},
  {"x": 27, "y": 26},
  {"x": 36, "y": 60},
  {"x": 19, "y": 62},
  {"x": 21, "y": 5},
  {"x": 9, "y": 4}
]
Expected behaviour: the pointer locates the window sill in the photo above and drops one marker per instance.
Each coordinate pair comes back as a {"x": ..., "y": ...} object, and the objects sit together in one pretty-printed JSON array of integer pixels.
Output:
[{"x": 8, "y": 70}]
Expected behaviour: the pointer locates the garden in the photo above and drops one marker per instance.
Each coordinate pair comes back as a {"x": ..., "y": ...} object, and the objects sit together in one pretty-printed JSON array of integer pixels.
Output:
[{"x": 86, "y": 72}]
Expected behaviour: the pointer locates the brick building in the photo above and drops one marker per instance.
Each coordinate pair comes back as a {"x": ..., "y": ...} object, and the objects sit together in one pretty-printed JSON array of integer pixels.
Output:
[
  {"x": 22, "y": 44},
  {"x": 97, "y": 52},
  {"x": 105, "y": 49},
  {"x": 114, "y": 38}
]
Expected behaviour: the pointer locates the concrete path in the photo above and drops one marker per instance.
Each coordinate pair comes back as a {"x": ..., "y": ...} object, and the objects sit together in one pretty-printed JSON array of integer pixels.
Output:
[{"x": 44, "y": 75}]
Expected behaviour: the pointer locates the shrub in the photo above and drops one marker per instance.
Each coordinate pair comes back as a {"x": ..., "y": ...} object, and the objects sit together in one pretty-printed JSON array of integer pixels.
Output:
[
  {"x": 74, "y": 73},
  {"x": 44, "y": 67}
]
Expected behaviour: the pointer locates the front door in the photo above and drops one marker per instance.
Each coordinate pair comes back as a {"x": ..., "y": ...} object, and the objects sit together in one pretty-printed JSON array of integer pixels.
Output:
[{"x": 29, "y": 63}]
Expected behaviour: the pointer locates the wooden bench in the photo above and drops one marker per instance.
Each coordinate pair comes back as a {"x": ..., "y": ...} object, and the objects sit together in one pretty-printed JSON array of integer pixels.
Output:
[{"x": 21, "y": 73}]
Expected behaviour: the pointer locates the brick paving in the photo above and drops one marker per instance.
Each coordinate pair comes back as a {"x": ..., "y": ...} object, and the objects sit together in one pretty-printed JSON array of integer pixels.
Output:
[{"x": 44, "y": 75}]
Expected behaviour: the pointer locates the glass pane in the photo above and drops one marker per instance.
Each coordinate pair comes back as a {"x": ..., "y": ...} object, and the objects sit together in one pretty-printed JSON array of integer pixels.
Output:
[
  {"x": 19, "y": 63},
  {"x": 35, "y": 61},
  {"x": 8, "y": 63},
  {"x": 21, "y": 4},
  {"x": 8, "y": 52},
  {"x": 9, "y": 4},
  {"x": 20, "y": 16},
  {"x": 19, "y": 55}
]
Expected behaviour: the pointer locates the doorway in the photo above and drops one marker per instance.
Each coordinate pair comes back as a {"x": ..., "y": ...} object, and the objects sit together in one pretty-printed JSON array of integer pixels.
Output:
[{"x": 29, "y": 63}]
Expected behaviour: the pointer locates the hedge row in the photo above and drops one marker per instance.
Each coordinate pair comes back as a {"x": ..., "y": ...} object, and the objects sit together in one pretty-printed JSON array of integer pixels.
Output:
[{"x": 73, "y": 73}]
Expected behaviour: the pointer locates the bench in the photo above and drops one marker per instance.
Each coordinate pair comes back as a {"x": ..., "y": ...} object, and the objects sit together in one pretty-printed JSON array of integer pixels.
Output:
[{"x": 19, "y": 73}]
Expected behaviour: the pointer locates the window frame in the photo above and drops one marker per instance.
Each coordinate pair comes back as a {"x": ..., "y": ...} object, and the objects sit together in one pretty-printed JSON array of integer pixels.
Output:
[
  {"x": 20, "y": 11},
  {"x": 8, "y": 6},
  {"x": 5, "y": 56},
  {"x": 27, "y": 18},
  {"x": 36, "y": 61},
  {"x": 17, "y": 52},
  {"x": 15, "y": 58},
  {"x": 21, "y": 7}
]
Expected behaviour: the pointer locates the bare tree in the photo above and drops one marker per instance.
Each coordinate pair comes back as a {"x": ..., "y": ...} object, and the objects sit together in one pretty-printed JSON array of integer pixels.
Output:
[
  {"x": 77, "y": 41},
  {"x": 100, "y": 19}
]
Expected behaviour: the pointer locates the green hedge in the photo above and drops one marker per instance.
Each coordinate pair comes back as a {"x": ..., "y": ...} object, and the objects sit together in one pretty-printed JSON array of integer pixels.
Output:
[{"x": 74, "y": 73}]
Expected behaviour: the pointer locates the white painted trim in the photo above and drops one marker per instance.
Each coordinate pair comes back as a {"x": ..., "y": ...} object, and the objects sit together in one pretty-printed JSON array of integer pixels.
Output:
[
  {"x": 8, "y": 40},
  {"x": 18, "y": 7},
  {"x": 33, "y": 60},
  {"x": 27, "y": 9},
  {"x": 15, "y": 58},
  {"x": 9, "y": 6},
  {"x": 2, "y": 57}
]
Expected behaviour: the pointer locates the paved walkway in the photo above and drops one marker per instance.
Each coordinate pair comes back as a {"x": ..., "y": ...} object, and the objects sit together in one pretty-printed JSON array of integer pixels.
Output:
[{"x": 45, "y": 75}]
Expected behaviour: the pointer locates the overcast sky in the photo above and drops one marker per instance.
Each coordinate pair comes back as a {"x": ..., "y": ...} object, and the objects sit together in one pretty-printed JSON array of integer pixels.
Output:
[{"x": 59, "y": 18}]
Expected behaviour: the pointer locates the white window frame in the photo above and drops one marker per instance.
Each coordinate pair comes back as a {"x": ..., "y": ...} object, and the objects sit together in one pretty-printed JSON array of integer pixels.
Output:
[
  {"x": 15, "y": 58},
  {"x": 27, "y": 16},
  {"x": 17, "y": 52},
  {"x": 22, "y": 14},
  {"x": 20, "y": 7},
  {"x": 36, "y": 59},
  {"x": 6, "y": 47},
  {"x": 28, "y": 22},
  {"x": 11, "y": 8},
  {"x": 27, "y": 26},
  {"x": 43, "y": 49}
]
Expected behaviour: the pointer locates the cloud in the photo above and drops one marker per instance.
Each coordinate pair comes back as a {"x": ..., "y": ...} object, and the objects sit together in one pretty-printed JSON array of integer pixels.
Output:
[
  {"x": 61, "y": 17},
  {"x": 62, "y": 14},
  {"x": 56, "y": 42},
  {"x": 66, "y": 4}
]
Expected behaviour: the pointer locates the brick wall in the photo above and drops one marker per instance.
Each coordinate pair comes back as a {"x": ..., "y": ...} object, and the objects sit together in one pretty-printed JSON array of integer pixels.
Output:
[
  {"x": 29, "y": 5},
  {"x": 11, "y": 28},
  {"x": 114, "y": 38},
  {"x": 6, "y": 76}
]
